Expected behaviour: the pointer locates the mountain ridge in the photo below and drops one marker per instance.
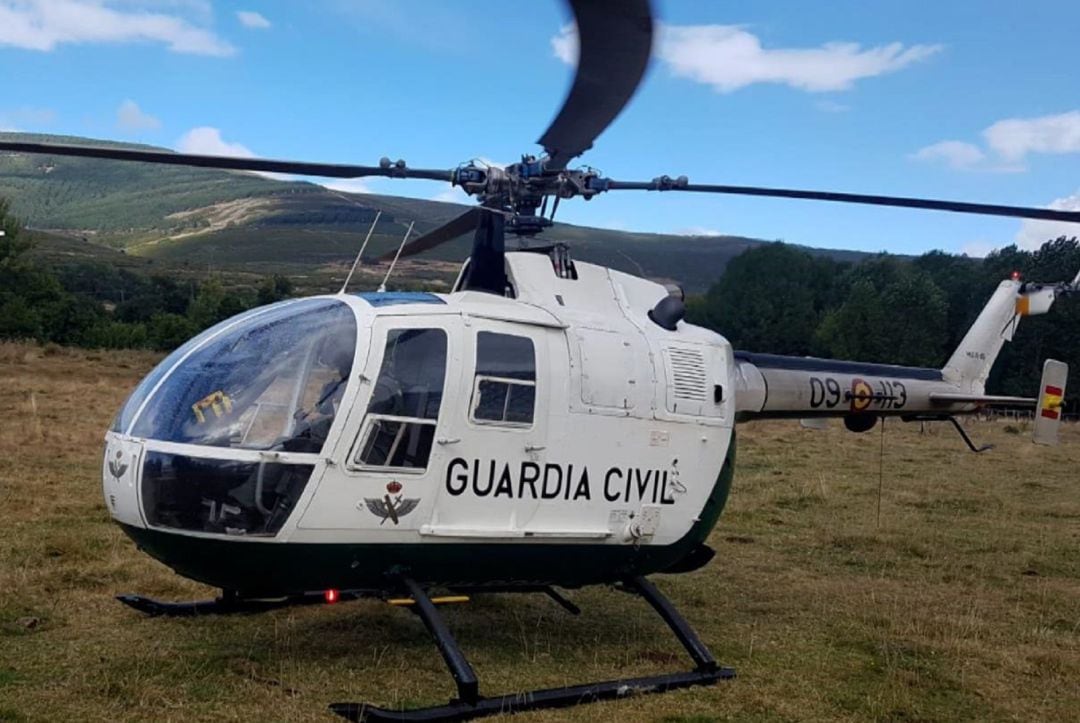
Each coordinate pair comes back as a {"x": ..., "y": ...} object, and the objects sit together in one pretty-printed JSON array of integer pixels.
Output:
[{"x": 235, "y": 219}]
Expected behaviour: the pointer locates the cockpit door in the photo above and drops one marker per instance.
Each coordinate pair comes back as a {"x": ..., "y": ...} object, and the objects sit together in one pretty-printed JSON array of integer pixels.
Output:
[
  {"x": 493, "y": 449},
  {"x": 387, "y": 463}
]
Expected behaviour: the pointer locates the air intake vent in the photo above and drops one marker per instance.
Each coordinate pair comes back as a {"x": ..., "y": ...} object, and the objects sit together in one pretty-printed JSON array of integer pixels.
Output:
[{"x": 688, "y": 379}]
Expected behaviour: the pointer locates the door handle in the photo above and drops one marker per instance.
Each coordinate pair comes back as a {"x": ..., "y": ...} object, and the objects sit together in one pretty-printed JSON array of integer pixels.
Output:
[
  {"x": 534, "y": 447},
  {"x": 447, "y": 440}
]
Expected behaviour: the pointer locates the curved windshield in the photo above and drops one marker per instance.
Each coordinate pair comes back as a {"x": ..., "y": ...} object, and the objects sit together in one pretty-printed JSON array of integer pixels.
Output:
[
  {"x": 272, "y": 381},
  {"x": 131, "y": 405}
]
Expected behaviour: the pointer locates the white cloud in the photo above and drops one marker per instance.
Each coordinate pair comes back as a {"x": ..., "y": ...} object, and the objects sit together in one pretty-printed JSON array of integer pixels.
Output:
[
  {"x": 698, "y": 231},
  {"x": 13, "y": 121},
  {"x": 208, "y": 141},
  {"x": 488, "y": 162},
  {"x": 831, "y": 106},
  {"x": 202, "y": 10},
  {"x": 1009, "y": 141},
  {"x": 978, "y": 249},
  {"x": 1014, "y": 138},
  {"x": 453, "y": 194},
  {"x": 130, "y": 117},
  {"x": 955, "y": 154},
  {"x": 252, "y": 19},
  {"x": 348, "y": 185},
  {"x": 44, "y": 24},
  {"x": 1034, "y": 233},
  {"x": 612, "y": 224},
  {"x": 565, "y": 44},
  {"x": 728, "y": 58}
]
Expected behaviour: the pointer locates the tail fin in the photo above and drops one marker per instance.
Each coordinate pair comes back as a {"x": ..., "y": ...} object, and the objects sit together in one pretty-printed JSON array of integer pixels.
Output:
[
  {"x": 1051, "y": 400},
  {"x": 970, "y": 364}
]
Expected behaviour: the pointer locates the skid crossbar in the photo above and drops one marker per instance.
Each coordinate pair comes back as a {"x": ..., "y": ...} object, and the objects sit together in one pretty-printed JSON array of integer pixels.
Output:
[{"x": 469, "y": 704}]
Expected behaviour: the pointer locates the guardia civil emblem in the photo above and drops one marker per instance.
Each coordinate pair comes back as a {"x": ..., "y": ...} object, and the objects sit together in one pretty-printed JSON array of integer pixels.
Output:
[
  {"x": 117, "y": 468},
  {"x": 393, "y": 505}
]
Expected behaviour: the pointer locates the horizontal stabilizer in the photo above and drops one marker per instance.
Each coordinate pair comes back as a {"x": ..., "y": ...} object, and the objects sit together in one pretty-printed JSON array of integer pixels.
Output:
[{"x": 951, "y": 398}]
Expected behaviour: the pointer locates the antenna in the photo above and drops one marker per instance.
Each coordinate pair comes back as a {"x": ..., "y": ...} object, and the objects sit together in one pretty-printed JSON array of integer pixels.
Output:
[
  {"x": 363, "y": 246},
  {"x": 382, "y": 286}
]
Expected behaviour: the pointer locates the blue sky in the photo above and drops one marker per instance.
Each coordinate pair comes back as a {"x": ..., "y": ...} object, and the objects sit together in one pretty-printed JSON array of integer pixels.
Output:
[{"x": 966, "y": 100}]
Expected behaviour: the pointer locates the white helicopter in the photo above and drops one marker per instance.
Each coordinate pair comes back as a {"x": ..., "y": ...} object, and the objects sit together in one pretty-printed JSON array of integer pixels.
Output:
[{"x": 549, "y": 423}]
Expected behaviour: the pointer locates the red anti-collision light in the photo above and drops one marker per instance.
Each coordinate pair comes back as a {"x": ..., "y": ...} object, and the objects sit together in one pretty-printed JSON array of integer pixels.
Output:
[
  {"x": 331, "y": 596},
  {"x": 1016, "y": 276}
]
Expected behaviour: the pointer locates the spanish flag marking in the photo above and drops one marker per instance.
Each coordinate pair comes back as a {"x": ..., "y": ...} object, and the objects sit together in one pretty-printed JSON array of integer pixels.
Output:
[
  {"x": 1023, "y": 306},
  {"x": 1052, "y": 402}
]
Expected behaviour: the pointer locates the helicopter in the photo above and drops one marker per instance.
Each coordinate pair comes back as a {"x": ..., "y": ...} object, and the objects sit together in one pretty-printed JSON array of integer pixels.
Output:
[{"x": 547, "y": 424}]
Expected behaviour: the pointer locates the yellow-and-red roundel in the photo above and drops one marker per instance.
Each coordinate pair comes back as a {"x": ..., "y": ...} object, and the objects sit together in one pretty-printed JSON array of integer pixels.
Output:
[
  {"x": 861, "y": 395},
  {"x": 1052, "y": 402}
]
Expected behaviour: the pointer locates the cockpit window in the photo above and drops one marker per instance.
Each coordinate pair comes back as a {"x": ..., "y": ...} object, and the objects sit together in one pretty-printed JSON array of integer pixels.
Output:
[
  {"x": 505, "y": 384},
  {"x": 131, "y": 405},
  {"x": 273, "y": 381},
  {"x": 404, "y": 408},
  {"x": 220, "y": 496}
]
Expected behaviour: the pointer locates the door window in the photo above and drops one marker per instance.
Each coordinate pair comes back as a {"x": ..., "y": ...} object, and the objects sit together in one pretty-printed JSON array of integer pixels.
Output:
[
  {"x": 504, "y": 390},
  {"x": 404, "y": 408}
]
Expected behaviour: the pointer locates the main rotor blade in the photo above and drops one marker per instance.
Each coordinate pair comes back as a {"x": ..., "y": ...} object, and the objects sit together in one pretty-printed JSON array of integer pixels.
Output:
[
  {"x": 616, "y": 41},
  {"x": 301, "y": 168},
  {"x": 449, "y": 231},
  {"x": 983, "y": 209}
]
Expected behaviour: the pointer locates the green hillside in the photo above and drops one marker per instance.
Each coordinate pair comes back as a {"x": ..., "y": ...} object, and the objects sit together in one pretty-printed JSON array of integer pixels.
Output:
[{"x": 226, "y": 219}]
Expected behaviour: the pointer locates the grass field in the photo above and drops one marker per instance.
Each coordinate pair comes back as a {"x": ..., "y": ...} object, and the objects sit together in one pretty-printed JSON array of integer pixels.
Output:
[{"x": 963, "y": 603}]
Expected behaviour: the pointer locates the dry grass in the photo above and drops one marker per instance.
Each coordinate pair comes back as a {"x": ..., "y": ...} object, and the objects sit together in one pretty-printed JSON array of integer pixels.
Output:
[{"x": 963, "y": 604}]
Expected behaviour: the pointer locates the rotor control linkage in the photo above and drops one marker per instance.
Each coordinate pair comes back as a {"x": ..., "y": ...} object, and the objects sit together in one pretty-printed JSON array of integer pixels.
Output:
[{"x": 470, "y": 704}]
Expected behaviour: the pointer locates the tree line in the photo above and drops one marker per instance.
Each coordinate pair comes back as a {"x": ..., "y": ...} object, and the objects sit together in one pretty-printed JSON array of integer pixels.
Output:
[
  {"x": 911, "y": 311},
  {"x": 100, "y": 306},
  {"x": 773, "y": 298}
]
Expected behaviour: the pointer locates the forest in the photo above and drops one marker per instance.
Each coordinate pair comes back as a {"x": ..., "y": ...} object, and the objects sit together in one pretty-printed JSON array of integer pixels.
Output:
[
  {"x": 779, "y": 299},
  {"x": 97, "y": 305}
]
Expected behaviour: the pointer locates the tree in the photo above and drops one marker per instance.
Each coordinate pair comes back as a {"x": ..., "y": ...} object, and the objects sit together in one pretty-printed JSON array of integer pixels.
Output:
[
  {"x": 20, "y": 283},
  {"x": 168, "y": 331},
  {"x": 965, "y": 285},
  {"x": 276, "y": 288},
  {"x": 14, "y": 244},
  {"x": 854, "y": 329},
  {"x": 205, "y": 309},
  {"x": 893, "y": 313},
  {"x": 770, "y": 298}
]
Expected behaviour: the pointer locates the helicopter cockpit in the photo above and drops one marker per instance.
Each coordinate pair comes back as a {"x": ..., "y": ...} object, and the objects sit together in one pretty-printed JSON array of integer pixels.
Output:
[{"x": 267, "y": 382}]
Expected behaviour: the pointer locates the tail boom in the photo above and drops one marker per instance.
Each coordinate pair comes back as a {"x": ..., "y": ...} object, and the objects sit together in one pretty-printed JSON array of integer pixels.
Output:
[
  {"x": 770, "y": 386},
  {"x": 779, "y": 387}
]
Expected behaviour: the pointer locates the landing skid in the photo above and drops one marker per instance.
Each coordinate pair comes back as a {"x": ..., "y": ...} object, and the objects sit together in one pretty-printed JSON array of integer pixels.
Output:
[
  {"x": 470, "y": 704},
  {"x": 230, "y": 603}
]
